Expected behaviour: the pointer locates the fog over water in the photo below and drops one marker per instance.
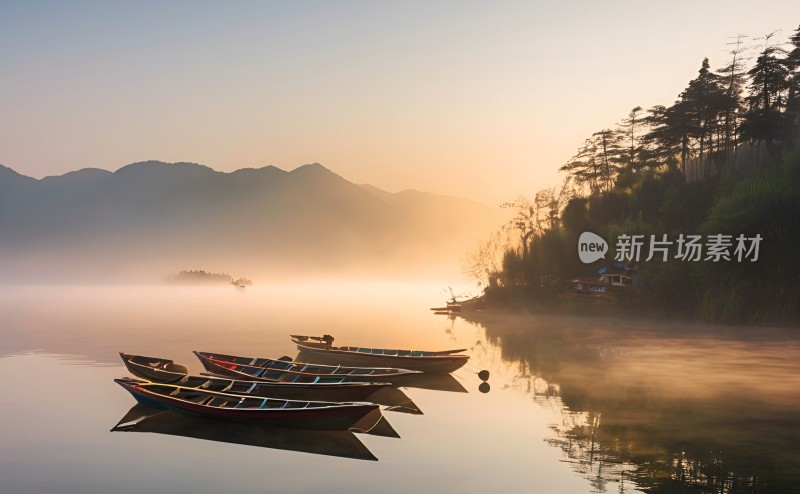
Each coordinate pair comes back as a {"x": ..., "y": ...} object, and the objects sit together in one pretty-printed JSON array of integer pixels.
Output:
[{"x": 576, "y": 404}]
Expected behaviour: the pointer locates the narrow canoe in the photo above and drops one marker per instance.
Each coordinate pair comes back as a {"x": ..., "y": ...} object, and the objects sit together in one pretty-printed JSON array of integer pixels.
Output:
[
  {"x": 282, "y": 385},
  {"x": 284, "y": 413},
  {"x": 434, "y": 362},
  {"x": 265, "y": 369}
]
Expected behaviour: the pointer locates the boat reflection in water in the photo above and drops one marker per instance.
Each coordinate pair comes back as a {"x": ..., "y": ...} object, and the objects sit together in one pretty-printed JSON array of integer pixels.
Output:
[
  {"x": 433, "y": 382},
  {"x": 395, "y": 400},
  {"x": 375, "y": 424},
  {"x": 343, "y": 444},
  {"x": 143, "y": 418}
]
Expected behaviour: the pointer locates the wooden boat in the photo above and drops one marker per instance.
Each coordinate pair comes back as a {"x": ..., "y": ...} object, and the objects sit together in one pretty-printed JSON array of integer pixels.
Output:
[
  {"x": 432, "y": 382},
  {"x": 438, "y": 362},
  {"x": 266, "y": 369},
  {"x": 450, "y": 307},
  {"x": 281, "y": 385},
  {"x": 153, "y": 368},
  {"x": 284, "y": 413}
]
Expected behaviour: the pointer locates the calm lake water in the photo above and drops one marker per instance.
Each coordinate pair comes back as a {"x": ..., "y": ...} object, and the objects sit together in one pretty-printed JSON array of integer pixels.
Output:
[{"x": 576, "y": 404}]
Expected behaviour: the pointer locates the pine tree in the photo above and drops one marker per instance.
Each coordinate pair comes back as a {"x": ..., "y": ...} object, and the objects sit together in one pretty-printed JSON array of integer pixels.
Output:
[
  {"x": 629, "y": 130},
  {"x": 583, "y": 167},
  {"x": 705, "y": 101},
  {"x": 792, "y": 115},
  {"x": 764, "y": 120},
  {"x": 667, "y": 141},
  {"x": 610, "y": 155},
  {"x": 597, "y": 162},
  {"x": 733, "y": 78}
]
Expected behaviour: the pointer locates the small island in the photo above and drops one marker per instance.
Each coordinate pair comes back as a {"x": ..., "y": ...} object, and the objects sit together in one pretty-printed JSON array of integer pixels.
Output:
[
  {"x": 241, "y": 282},
  {"x": 200, "y": 277}
]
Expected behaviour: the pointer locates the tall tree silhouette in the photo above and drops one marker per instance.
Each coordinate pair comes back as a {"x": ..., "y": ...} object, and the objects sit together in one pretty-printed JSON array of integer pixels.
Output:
[
  {"x": 668, "y": 138},
  {"x": 584, "y": 168},
  {"x": 705, "y": 100},
  {"x": 630, "y": 128},
  {"x": 597, "y": 162},
  {"x": 733, "y": 78},
  {"x": 792, "y": 63},
  {"x": 764, "y": 119},
  {"x": 610, "y": 154}
]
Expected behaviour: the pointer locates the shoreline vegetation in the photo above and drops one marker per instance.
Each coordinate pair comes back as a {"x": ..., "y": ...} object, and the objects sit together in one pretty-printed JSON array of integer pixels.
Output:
[
  {"x": 723, "y": 159},
  {"x": 200, "y": 277}
]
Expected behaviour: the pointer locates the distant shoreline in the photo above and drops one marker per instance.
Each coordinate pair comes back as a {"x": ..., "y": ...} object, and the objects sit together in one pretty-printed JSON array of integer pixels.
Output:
[{"x": 480, "y": 310}]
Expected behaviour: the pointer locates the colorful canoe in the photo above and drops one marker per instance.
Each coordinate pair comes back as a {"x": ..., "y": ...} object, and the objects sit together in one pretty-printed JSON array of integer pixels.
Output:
[
  {"x": 282, "y": 385},
  {"x": 434, "y": 362},
  {"x": 280, "y": 412},
  {"x": 266, "y": 369}
]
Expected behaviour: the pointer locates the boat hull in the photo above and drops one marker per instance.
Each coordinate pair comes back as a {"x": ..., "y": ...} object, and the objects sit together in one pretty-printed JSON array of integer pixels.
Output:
[
  {"x": 320, "y": 391},
  {"x": 227, "y": 365},
  {"x": 439, "y": 364},
  {"x": 339, "y": 418}
]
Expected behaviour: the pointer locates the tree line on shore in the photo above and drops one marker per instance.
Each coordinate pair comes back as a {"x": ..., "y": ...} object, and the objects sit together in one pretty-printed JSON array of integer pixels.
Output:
[{"x": 723, "y": 159}]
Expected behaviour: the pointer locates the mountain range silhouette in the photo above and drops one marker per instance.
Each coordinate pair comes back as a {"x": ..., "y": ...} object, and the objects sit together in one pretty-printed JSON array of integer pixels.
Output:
[{"x": 151, "y": 218}]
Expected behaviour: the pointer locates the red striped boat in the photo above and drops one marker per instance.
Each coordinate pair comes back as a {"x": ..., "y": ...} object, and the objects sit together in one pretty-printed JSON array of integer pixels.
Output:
[
  {"x": 283, "y": 385},
  {"x": 285, "y": 413},
  {"x": 266, "y": 369}
]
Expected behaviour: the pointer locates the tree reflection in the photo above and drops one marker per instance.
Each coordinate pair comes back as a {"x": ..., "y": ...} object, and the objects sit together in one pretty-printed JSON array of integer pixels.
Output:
[{"x": 660, "y": 411}]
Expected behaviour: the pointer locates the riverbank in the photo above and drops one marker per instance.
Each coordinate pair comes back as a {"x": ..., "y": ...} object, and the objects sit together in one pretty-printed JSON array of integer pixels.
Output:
[{"x": 623, "y": 307}]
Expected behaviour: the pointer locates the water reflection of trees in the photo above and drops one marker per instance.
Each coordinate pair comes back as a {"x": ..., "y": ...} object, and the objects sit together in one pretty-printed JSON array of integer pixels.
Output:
[{"x": 628, "y": 431}]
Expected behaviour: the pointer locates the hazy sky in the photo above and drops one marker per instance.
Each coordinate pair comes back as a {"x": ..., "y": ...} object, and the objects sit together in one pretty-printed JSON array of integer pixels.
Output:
[{"x": 477, "y": 99}]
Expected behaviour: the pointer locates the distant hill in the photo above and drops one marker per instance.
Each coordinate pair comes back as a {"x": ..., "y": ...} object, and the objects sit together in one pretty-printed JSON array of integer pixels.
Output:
[{"x": 151, "y": 217}]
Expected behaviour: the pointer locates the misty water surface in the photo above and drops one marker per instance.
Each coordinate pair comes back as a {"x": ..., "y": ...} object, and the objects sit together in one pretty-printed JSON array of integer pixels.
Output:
[{"x": 576, "y": 404}]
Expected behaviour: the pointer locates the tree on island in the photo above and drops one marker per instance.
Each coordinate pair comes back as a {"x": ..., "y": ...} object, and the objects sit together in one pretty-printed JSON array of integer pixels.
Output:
[{"x": 203, "y": 277}]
